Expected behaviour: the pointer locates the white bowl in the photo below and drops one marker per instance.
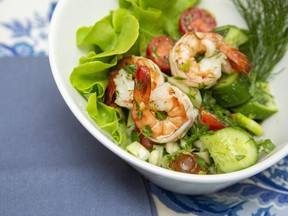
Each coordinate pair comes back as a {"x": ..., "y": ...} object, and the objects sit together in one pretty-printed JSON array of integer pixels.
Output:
[{"x": 64, "y": 55}]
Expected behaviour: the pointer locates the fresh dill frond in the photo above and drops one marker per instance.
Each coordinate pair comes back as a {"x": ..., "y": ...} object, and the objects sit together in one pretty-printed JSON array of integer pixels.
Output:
[{"x": 267, "y": 21}]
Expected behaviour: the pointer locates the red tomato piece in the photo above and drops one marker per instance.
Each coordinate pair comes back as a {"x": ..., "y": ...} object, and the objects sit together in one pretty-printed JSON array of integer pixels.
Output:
[
  {"x": 211, "y": 119},
  {"x": 148, "y": 144},
  {"x": 196, "y": 19},
  {"x": 158, "y": 51}
]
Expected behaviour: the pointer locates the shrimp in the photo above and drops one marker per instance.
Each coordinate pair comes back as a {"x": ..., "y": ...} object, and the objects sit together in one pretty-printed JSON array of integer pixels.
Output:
[
  {"x": 175, "y": 109},
  {"x": 121, "y": 82},
  {"x": 216, "y": 56}
]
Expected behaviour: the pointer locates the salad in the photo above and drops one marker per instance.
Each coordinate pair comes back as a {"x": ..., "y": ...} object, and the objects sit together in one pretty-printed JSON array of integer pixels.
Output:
[{"x": 173, "y": 88}]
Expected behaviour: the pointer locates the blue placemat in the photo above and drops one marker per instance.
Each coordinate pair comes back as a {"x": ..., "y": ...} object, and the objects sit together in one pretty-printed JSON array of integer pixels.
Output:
[
  {"x": 49, "y": 164},
  {"x": 24, "y": 32}
]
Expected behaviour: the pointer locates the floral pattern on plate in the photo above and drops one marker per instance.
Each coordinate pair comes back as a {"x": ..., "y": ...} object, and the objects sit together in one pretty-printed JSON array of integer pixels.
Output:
[
  {"x": 262, "y": 194},
  {"x": 25, "y": 33}
]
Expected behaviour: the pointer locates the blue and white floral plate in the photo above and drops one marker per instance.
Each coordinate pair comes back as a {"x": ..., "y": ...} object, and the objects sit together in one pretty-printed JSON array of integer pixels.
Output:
[{"x": 24, "y": 27}]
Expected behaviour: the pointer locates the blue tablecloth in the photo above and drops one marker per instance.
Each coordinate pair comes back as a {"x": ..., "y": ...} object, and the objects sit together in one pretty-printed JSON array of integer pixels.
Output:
[{"x": 49, "y": 164}]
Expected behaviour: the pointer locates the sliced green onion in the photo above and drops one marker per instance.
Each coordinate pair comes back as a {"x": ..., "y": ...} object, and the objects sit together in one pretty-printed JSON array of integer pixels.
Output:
[{"x": 248, "y": 123}]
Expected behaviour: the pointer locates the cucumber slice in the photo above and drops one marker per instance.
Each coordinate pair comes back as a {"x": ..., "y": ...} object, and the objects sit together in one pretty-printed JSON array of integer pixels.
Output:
[
  {"x": 233, "y": 35},
  {"x": 232, "y": 90},
  {"x": 261, "y": 106},
  {"x": 231, "y": 148},
  {"x": 222, "y": 30}
]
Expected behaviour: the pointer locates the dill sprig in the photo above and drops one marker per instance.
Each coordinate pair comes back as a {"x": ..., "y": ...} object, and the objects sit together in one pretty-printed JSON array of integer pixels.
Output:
[{"x": 267, "y": 21}]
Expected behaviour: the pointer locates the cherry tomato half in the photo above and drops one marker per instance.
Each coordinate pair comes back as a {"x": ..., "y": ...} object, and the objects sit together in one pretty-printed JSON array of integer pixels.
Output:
[
  {"x": 148, "y": 144},
  {"x": 196, "y": 19},
  {"x": 158, "y": 51},
  {"x": 211, "y": 119}
]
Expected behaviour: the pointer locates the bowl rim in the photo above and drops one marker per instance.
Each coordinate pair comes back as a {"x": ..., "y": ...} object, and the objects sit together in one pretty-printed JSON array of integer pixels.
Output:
[{"x": 108, "y": 143}]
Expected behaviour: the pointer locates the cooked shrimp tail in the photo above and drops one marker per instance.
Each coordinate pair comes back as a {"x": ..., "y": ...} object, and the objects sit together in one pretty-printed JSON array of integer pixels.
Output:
[
  {"x": 174, "y": 105},
  {"x": 216, "y": 54},
  {"x": 142, "y": 88},
  {"x": 239, "y": 61}
]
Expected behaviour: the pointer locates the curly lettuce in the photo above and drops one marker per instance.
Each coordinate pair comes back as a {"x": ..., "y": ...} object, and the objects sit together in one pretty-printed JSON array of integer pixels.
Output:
[
  {"x": 110, "y": 37},
  {"x": 125, "y": 31},
  {"x": 156, "y": 18},
  {"x": 109, "y": 119}
]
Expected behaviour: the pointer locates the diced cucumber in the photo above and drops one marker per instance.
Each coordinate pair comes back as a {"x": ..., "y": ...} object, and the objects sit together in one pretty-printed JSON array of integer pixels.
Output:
[
  {"x": 172, "y": 147},
  {"x": 193, "y": 93},
  {"x": 222, "y": 30},
  {"x": 156, "y": 155},
  {"x": 233, "y": 35},
  {"x": 232, "y": 90},
  {"x": 198, "y": 144},
  {"x": 231, "y": 148},
  {"x": 205, "y": 156},
  {"x": 261, "y": 106},
  {"x": 138, "y": 150}
]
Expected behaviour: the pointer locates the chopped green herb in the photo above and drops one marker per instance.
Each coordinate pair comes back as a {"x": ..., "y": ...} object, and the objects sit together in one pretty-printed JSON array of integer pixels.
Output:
[
  {"x": 130, "y": 68},
  {"x": 139, "y": 114},
  {"x": 137, "y": 105},
  {"x": 117, "y": 94},
  {"x": 267, "y": 145},
  {"x": 179, "y": 78},
  {"x": 196, "y": 35},
  {"x": 154, "y": 51},
  {"x": 161, "y": 115},
  {"x": 239, "y": 157},
  {"x": 138, "y": 85},
  {"x": 147, "y": 132},
  {"x": 201, "y": 163},
  {"x": 184, "y": 66},
  {"x": 199, "y": 57},
  {"x": 129, "y": 77},
  {"x": 202, "y": 172},
  {"x": 135, "y": 136}
]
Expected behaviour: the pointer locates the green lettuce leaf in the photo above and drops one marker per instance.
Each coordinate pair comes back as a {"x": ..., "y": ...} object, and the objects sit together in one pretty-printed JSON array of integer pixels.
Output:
[
  {"x": 149, "y": 21},
  {"x": 125, "y": 31},
  {"x": 171, "y": 12},
  {"x": 114, "y": 34},
  {"x": 109, "y": 119},
  {"x": 171, "y": 15},
  {"x": 156, "y": 19},
  {"x": 92, "y": 76},
  {"x": 101, "y": 35}
]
